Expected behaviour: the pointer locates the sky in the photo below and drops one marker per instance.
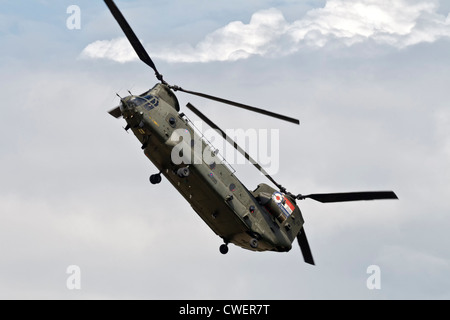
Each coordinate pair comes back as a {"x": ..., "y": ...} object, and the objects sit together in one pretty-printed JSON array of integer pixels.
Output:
[{"x": 367, "y": 79}]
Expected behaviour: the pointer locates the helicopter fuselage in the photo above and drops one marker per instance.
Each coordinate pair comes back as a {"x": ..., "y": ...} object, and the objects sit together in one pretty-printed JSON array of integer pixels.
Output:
[{"x": 264, "y": 219}]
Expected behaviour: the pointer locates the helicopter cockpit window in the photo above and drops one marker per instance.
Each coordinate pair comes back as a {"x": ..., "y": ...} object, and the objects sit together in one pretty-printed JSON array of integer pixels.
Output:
[
  {"x": 137, "y": 101},
  {"x": 154, "y": 101},
  {"x": 151, "y": 102}
]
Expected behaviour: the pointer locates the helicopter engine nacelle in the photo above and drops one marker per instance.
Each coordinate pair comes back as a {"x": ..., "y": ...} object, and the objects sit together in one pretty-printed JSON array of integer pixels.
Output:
[
  {"x": 276, "y": 203},
  {"x": 282, "y": 208}
]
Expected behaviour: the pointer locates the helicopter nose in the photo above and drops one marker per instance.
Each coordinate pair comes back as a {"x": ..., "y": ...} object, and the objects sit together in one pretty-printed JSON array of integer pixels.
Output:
[
  {"x": 126, "y": 109},
  {"x": 123, "y": 108},
  {"x": 126, "y": 105}
]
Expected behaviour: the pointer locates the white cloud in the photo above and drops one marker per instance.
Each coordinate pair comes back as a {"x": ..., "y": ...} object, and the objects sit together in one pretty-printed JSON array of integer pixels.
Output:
[
  {"x": 234, "y": 41},
  {"x": 399, "y": 24},
  {"x": 118, "y": 49}
]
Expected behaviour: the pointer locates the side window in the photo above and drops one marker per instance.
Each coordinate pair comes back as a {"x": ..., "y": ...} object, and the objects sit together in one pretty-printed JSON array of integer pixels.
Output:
[
  {"x": 150, "y": 102},
  {"x": 171, "y": 120}
]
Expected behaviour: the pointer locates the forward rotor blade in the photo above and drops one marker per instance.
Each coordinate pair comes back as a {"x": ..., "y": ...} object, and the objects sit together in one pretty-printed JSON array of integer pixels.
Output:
[
  {"x": 350, "y": 196},
  {"x": 129, "y": 33},
  {"x": 233, "y": 143},
  {"x": 304, "y": 247},
  {"x": 116, "y": 113},
  {"x": 239, "y": 105}
]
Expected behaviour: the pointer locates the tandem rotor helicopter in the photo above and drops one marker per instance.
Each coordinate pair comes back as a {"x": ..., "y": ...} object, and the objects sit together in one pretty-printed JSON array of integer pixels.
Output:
[{"x": 264, "y": 219}]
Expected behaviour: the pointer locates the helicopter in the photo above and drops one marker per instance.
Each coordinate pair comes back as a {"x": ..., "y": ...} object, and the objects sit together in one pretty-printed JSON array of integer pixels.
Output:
[{"x": 265, "y": 219}]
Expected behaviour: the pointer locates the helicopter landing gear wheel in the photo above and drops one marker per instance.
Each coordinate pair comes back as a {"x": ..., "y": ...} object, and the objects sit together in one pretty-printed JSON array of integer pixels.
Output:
[
  {"x": 155, "y": 178},
  {"x": 223, "y": 248},
  {"x": 254, "y": 243}
]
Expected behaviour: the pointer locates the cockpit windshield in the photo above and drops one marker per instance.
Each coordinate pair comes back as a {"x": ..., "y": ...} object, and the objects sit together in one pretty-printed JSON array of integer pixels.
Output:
[
  {"x": 136, "y": 101},
  {"x": 148, "y": 102}
]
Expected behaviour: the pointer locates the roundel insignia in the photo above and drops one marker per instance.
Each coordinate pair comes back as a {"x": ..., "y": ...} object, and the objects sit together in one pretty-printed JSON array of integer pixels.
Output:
[{"x": 277, "y": 197}]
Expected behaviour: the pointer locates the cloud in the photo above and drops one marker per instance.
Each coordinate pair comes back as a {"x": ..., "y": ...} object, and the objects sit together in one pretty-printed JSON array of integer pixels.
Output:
[
  {"x": 399, "y": 24},
  {"x": 396, "y": 23},
  {"x": 118, "y": 49}
]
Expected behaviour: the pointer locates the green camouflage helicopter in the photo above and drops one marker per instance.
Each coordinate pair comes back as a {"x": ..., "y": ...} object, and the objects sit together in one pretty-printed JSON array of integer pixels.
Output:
[{"x": 264, "y": 219}]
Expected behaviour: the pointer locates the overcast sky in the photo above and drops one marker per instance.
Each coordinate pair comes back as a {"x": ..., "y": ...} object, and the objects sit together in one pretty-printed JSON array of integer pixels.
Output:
[{"x": 369, "y": 81}]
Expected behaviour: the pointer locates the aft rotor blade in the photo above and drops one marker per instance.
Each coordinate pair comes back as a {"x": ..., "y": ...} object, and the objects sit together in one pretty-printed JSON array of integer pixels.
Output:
[
  {"x": 239, "y": 105},
  {"x": 233, "y": 143},
  {"x": 304, "y": 247},
  {"x": 350, "y": 196},
  {"x": 129, "y": 33}
]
